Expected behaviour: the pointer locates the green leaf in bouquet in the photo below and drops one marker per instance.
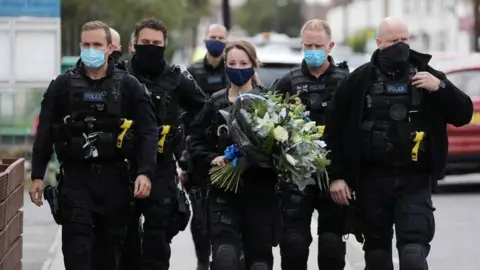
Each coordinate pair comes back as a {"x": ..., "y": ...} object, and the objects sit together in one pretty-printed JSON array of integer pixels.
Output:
[
  {"x": 322, "y": 180},
  {"x": 268, "y": 143},
  {"x": 321, "y": 162},
  {"x": 227, "y": 177}
]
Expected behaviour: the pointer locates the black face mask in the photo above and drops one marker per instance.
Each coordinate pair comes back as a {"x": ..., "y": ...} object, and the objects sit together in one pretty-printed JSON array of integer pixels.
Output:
[
  {"x": 395, "y": 57},
  {"x": 149, "y": 58},
  {"x": 116, "y": 56}
]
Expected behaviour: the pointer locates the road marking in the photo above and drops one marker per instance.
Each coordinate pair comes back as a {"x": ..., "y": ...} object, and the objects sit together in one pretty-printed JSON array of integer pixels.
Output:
[{"x": 52, "y": 250}]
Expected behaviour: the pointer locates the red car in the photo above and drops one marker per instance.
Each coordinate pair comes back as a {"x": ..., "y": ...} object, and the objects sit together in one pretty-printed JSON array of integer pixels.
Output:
[{"x": 464, "y": 142}]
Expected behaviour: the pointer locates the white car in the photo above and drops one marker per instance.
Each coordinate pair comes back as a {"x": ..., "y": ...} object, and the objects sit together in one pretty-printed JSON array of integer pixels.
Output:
[{"x": 276, "y": 62}]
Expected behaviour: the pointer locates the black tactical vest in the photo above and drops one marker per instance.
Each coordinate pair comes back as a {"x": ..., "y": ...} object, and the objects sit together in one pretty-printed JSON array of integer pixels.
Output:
[
  {"x": 163, "y": 96},
  {"x": 167, "y": 110},
  {"x": 316, "y": 94},
  {"x": 90, "y": 130},
  {"x": 104, "y": 102},
  {"x": 218, "y": 133},
  {"x": 209, "y": 81},
  {"x": 392, "y": 122}
]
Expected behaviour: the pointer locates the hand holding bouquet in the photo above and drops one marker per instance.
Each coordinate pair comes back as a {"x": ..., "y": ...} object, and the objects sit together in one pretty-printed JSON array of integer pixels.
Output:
[{"x": 271, "y": 131}]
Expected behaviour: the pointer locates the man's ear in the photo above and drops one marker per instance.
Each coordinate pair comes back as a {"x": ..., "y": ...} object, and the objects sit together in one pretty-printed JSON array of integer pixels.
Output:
[
  {"x": 330, "y": 46},
  {"x": 109, "y": 49}
]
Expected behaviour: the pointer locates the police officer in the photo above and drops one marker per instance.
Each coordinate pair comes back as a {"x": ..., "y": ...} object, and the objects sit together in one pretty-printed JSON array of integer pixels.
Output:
[
  {"x": 245, "y": 220},
  {"x": 117, "y": 45},
  {"x": 173, "y": 90},
  {"x": 210, "y": 75},
  {"x": 315, "y": 81},
  {"x": 86, "y": 114},
  {"x": 388, "y": 141}
]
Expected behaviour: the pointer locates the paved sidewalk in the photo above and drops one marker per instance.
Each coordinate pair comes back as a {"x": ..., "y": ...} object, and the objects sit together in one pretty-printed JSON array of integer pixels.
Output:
[{"x": 56, "y": 262}]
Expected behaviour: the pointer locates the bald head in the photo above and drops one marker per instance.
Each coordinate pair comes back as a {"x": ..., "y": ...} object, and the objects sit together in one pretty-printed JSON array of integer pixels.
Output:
[
  {"x": 216, "y": 31},
  {"x": 392, "y": 30},
  {"x": 115, "y": 40}
]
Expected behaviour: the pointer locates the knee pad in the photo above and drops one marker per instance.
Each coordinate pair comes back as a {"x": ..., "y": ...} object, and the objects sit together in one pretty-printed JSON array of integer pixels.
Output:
[
  {"x": 331, "y": 245},
  {"x": 225, "y": 258},
  {"x": 259, "y": 266},
  {"x": 378, "y": 259},
  {"x": 413, "y": 257}
]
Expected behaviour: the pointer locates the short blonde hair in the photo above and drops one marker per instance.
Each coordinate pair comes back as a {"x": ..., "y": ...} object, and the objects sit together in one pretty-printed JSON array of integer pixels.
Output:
[
  {"x": 94, "y": 25},
  {"x": 317, "y": 24}
]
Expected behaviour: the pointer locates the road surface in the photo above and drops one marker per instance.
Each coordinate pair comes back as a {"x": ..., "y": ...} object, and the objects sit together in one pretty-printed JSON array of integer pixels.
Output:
[{"x": 455, "y": 245}]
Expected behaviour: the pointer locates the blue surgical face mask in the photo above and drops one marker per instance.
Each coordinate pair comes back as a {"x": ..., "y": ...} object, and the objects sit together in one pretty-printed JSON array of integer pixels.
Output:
[
  {"x": 239, "y": 76},
  {"x": 215, "y": 47},
  {"x": 314, "y": 58},
  {"x": 93, "y": 58}
]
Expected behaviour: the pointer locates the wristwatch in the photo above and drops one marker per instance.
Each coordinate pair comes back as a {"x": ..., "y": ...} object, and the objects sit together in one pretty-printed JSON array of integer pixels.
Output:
[{"x": 442, "y": 85}]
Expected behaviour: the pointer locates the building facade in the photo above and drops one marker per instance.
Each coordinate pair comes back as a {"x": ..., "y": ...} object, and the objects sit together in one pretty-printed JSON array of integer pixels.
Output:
[{"x": 435, "y": 25}]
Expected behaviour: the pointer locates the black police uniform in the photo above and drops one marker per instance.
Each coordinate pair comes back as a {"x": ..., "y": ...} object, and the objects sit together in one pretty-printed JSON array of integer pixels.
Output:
[
  {"x": 166, "y": 211},
  {"x": 246, "y": 220},
  {"x": 210, "y": 79},
  {"x": 388, "y": 142},
  {"x": 298, "y": 206},
  {"x": 82, "y": 118}
]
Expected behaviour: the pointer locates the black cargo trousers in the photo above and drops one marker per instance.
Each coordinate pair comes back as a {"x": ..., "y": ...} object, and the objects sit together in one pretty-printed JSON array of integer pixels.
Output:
[
  {"x": 95, "y": 201},
  {"x": 403, "y": 200},
  {"x": 196, "y": 188},
  {"x": 247, "y": 221},
  {"x": 298, "y": 207},
  {"x": 150, "y": 249}
]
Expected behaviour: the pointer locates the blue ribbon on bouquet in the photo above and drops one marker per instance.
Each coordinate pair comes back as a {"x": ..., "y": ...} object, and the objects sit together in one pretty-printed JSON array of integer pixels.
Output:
[
  {"x": 232, "y": 153},
  {"x": 306, "y": 118}
]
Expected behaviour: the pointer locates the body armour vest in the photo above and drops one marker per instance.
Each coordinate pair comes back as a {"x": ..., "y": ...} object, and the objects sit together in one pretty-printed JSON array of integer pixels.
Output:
[
  {"x": 91, "y": 128},
  {"x": 315, "y": 94},
  {"x": 218, "y": 133},
  {"x": 210, "y": 81},
  {"x": 167, "y": 110},
  {"x": 392, "y": 122}
]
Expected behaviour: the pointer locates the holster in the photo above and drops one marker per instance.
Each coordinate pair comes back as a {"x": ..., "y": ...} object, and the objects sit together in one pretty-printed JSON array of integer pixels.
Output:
[
  {"x": 353, "y": 221},
  {"x": 198, "y": 199},
  {"x": 182, "y": 209},
  {"x": 51, "y": 194}
]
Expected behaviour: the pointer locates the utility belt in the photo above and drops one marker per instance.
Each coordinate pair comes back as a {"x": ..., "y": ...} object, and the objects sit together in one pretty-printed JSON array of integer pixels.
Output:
[
  {"x": 394, "y": 144},
  {"x": 83, "y": 140},
  {"x": 169, "y": 138}
]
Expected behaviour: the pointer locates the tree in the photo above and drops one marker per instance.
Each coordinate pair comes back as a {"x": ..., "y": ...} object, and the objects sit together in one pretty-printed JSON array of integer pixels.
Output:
[
  {"x": 123, "y": 15},
  {"x": 283, "y": 16}
]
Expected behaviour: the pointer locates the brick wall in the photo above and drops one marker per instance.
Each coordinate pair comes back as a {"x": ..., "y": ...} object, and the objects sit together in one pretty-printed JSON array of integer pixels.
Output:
[{"x": 11, "y": 218}]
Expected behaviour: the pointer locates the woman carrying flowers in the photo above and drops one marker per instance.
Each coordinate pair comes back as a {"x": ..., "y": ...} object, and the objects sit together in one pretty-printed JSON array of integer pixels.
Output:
[{"x": 244, "y": 218}]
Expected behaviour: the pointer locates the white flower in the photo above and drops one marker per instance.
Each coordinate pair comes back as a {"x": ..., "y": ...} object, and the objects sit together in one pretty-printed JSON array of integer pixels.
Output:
[
  {"x": 283, "y": 113},
  {"x": 281, "y": 134},
  {"x": 275, "y": 118},
  {"x": 298, "y": 122},
  {"x": 291, "y": 159},
  {"x": 296, "y": 137},
  {"x": 322, "y": 144},
  {"x": 310, "y": 125}
]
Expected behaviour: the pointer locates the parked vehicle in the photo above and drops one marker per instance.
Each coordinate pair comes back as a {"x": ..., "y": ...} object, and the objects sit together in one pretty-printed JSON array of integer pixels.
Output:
[{"x": 464, "y": 142}]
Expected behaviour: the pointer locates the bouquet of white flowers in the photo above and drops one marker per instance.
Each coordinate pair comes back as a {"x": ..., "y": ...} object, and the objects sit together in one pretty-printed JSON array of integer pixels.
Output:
[{"x": 272, "y": 131}]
